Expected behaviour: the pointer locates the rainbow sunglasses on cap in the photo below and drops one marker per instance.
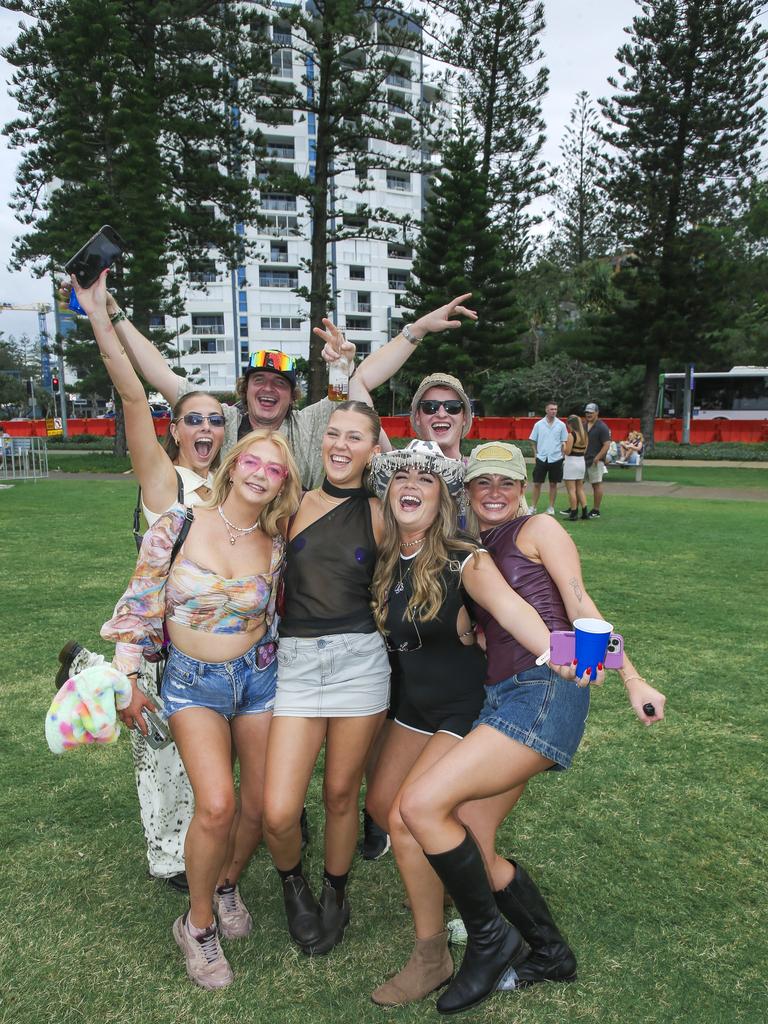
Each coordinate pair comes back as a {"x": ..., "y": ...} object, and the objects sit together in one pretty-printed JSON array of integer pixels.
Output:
[{"x": 276, "y": 362}]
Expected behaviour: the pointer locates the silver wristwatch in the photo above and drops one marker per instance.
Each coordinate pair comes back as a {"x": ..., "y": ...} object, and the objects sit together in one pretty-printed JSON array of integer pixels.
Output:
[{"x": 408, "y": 334}]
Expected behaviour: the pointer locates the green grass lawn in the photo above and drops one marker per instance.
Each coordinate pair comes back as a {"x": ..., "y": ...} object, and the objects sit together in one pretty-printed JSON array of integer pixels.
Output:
[
  {"x": 88, "y": 462},
  {"x": 651, "y": 850}
]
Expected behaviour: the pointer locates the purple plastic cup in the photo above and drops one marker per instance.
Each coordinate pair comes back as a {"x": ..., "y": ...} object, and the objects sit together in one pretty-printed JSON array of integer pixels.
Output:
[{"x": 592, "y": 636}]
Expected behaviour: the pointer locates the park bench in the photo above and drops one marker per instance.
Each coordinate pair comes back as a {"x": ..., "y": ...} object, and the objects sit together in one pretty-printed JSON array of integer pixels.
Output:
[{"x": 637, "y": 466}]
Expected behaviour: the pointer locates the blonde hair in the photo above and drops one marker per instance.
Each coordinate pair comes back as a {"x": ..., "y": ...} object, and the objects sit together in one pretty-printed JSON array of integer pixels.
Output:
[
  {"x": 576, "y": 426},
  {"x": 287, "y": 500},
  {"x": 427, "y": 587}
]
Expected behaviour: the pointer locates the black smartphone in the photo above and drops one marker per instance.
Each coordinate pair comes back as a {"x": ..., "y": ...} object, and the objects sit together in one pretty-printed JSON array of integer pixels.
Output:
[{"x": 96, "y": 255}]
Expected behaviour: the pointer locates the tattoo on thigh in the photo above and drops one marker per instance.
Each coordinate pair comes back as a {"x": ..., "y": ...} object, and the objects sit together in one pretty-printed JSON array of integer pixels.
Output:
[{"x": 574, "y": 584}]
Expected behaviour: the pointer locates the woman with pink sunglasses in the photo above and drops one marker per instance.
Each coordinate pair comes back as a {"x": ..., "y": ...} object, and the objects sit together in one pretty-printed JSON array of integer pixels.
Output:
[{"x": 216, "y": 599}]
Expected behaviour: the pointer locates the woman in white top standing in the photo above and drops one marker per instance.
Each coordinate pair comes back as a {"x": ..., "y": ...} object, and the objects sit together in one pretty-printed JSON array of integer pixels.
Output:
[{"x": 190, "y": 453}]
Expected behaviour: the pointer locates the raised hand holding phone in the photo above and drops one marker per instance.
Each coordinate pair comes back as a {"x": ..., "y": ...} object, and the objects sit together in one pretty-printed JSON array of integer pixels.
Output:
[{"x": 99, "y": 253}]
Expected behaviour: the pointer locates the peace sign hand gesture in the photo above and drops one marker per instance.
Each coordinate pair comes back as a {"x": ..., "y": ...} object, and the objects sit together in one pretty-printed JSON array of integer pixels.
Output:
[
  {"x": 336, "y": 345},
  {"x": 443, "y": 319}
]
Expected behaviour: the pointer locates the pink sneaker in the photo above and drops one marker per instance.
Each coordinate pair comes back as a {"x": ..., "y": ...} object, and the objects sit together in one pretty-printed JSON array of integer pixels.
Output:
[
  {"x": 206, "y": 964},
  {"x": 234, "y": 920}
]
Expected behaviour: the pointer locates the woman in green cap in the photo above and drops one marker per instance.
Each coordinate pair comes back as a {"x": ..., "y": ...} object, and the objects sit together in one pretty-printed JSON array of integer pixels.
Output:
[{"x": 532, "y": 721}]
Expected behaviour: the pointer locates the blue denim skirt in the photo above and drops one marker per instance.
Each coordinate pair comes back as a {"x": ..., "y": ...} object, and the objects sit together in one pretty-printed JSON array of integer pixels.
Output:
[
  {"x": 541, "y": 710},
  {"x": 243, "y": 686}
]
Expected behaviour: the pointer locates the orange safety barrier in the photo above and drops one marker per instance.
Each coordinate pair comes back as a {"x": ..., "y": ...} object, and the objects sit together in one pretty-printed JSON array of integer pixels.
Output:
[
  {"x": 486, "y": 428},
  {"x": 92, "y": 425}
]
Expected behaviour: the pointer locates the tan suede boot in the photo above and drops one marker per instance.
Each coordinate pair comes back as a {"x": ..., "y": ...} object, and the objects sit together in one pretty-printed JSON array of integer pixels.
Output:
[{"x": 429, "y": 968}]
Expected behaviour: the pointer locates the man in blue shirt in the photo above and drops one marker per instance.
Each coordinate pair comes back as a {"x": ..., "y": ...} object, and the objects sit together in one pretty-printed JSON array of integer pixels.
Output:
[{"x": 549, "y": 436}]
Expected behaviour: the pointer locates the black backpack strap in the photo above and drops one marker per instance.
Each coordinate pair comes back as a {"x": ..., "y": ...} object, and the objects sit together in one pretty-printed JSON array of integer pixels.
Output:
[
  {"x": 189, "y": 518},
  {"x": 138, "y": 536}
]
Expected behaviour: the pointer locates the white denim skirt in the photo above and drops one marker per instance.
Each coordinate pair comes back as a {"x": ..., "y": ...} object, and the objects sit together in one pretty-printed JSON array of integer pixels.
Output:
[
  {"x": 344, "y": 675},
  {"x": 574, "y": 468}
]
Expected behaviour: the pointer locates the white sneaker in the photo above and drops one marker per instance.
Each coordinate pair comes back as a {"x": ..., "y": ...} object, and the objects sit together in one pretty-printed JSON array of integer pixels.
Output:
[
  {"x": 206, "y": 964},
  {"x": 550, "y": 511},
  {"x": 235, "y": 922}
]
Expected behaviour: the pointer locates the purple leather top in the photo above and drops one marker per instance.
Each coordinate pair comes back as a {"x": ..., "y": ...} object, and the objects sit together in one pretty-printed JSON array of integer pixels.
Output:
[{"x": 506, "y": 657}]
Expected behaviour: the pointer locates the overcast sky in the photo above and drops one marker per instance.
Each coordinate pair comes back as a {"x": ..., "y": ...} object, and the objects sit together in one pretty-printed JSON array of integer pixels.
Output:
[{"x": 580, "y": 43}]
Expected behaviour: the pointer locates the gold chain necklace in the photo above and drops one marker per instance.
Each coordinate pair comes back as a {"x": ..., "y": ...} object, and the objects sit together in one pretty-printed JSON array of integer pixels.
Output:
[{"x": 412, "y": 543}]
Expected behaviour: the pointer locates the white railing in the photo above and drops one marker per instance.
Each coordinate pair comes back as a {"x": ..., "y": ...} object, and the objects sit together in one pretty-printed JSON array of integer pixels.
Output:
[
  {"x": 267, "y": 280},
  {"x": 278, "y": 204},
  {"x": 208, "y": 329},
  {"x": 23, "y": 458}
]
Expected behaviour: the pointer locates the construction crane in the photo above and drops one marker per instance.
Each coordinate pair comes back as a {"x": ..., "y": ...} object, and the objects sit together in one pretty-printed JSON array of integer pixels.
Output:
[{"x": 42, "y": 309}]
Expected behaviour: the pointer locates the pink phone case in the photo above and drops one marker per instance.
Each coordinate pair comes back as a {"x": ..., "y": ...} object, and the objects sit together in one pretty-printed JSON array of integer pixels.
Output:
[{"x": 562, "y": 645}]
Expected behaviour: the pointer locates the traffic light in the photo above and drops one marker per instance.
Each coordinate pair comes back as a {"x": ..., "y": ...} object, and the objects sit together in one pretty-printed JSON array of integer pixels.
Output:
[
  {"x": 55, "y": 385},
  {"x": 30, "y": 388}
]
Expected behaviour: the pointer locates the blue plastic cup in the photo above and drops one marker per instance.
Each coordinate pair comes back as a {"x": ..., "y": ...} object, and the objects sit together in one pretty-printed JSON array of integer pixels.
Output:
[{"x": 592, "y": 636}]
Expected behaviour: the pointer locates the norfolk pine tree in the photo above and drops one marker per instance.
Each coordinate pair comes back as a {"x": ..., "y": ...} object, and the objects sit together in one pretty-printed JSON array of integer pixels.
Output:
[
  {"x": 582, "y": 229},
  {"x": 686, "y": 123},
  {"x": 348, "y": 50},
  {"x": 460, "y": 251},
  {"x": 126, "y": 119},
  {"x": 496, "y": 46}
]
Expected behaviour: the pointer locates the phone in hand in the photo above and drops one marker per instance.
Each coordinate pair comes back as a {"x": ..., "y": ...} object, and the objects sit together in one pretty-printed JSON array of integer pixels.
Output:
[
  {"x": 562, "y": 646},
  {"x": 99, "y": 252},
  {"x": 158, "y": 733}
]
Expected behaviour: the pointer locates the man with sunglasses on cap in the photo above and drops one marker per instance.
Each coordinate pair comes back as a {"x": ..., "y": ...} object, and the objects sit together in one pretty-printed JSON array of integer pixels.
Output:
[
  {"x": 440, "y": 408},
  {"x": 267, "y": 390}
]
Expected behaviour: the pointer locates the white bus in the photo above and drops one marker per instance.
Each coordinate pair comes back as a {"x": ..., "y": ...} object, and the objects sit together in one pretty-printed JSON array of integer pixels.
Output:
[{"x": 738, "y": 394}]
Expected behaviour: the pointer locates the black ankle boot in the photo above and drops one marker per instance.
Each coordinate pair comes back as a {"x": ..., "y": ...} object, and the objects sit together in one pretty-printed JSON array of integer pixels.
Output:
[
  {"x": 302, "y": 912},
  {"x": 551, "y": 958},
  {"x": 334, "y": 918},
  {"x": 492, "y": 944}
]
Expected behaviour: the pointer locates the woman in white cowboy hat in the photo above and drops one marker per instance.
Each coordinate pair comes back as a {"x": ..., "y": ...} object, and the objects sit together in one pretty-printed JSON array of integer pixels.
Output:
[
  {"x": 425, "y": 577},
  {"x": 532, "y": 720}
]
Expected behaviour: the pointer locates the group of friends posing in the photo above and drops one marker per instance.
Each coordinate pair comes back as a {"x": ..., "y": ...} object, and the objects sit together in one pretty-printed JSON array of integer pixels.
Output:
[{"x": 324, "y": 594}]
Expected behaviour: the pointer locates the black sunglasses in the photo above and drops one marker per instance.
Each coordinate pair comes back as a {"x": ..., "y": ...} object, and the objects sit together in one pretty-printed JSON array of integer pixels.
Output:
[
  {"x": 453, "y": 406},
  {"x": 196, "y": 419}
]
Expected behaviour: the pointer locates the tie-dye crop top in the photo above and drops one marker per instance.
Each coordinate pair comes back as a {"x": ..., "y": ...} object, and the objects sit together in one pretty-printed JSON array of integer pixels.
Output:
[{"x": 189, "y": 594}]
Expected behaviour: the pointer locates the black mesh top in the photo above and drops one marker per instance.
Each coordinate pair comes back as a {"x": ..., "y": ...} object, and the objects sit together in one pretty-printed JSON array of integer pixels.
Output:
[{"x": 328, "y": 574}]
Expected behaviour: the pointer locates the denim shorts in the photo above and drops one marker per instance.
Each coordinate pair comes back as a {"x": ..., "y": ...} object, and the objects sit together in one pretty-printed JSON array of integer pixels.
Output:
[
  {"x": 342, "y": 675},
  {"x": 230, "y": 688},
  {"x": 540, "y": 709}
]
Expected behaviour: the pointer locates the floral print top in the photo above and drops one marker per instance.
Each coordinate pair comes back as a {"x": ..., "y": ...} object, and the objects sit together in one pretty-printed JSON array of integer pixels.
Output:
[{"x": 187, "y": 593}]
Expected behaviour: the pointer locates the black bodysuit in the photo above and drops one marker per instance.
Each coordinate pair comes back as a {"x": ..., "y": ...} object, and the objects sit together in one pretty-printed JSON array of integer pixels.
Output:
[{"x": 440, "y": 680}]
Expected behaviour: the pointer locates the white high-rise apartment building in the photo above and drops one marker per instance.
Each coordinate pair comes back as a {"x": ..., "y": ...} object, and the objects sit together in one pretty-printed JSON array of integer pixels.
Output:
[{"x": 256, "y": 306}]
